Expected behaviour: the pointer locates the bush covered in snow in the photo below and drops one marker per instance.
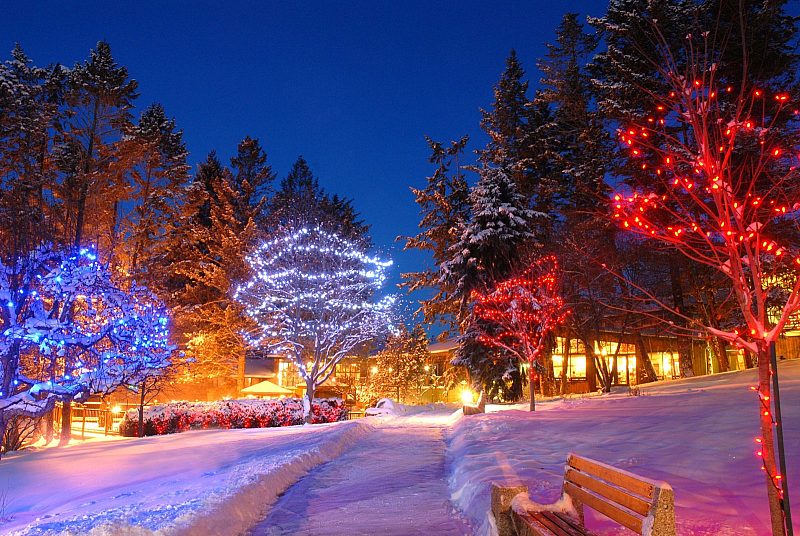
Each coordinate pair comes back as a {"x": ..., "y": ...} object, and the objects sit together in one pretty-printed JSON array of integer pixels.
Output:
[{"x": 245, "y": 413}]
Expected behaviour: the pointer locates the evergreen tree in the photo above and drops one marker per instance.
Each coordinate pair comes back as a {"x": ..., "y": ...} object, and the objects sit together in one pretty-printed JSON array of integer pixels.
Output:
[
  {"x": 444, "y": 206},
  {"x": 157, "y": 176},
  {"x": 251, "y": 172},
  {"x": 204, "y": 251},
  {"x": 492, "y": 240},
  {"x": 30, "y": 99},
  {"x": 507, "y": 124},
  {"x": 491, "y": 243},
  {"x": 301, "y": 201},
  {"x": 100, "y": 98}
]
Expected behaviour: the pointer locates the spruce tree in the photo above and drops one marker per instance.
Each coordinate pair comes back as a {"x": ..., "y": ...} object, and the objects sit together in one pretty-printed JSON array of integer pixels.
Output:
[
  {"x": 301, "y": 201},
  {"x": 505, "y": 121},
  {"x": 100, "y": 98},
  {"x": 251, "y": 172},
  {"x": 500, "y": 229},
  {"x": 157, "y": 176},
  {"x": 444, "y": 208}
]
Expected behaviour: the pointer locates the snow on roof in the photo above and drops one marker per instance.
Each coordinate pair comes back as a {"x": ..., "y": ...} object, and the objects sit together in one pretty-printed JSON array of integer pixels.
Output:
[{"x": 444, "y": 346}]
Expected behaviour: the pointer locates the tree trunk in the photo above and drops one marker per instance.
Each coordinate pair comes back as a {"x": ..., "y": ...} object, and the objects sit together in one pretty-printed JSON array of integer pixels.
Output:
[
  {"x": 720, "y": 350},
  {"x": 140, "y": 431},
  {"x": 565, "y": 364},
  {"x": 49, "y": 426},
  {"x": 308, "y": 399},
  {"x": 531, "y": 387},
  {"x": 591, "y": 368},
  {"x": 645, "y": 372},
  {"x": 240, "y": 370},
  {"x": 66, "y": 421},
  {"x": 767, "y": 442}
]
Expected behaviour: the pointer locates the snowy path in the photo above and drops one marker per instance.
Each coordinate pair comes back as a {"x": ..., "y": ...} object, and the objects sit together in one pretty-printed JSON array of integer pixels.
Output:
[{"x": 393, "y": 481}]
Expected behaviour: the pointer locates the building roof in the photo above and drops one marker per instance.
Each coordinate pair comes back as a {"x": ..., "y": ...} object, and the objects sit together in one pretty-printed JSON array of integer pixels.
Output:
[
  {"x": 267, "y": 388},
  {"x": 446, "y": 346}
]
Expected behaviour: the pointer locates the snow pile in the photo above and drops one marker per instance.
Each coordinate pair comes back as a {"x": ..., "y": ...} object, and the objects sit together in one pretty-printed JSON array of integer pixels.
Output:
[
  {"x": 200, "y": 482},
  {"x": 696, "y": 434},
  {"x": 245, "y": 413}
]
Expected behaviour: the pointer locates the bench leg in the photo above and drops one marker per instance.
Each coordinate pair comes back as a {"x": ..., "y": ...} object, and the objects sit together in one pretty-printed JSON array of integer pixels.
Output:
[
  {"x": 501, "y": 507},
  {"x": 663, "y": 513}
]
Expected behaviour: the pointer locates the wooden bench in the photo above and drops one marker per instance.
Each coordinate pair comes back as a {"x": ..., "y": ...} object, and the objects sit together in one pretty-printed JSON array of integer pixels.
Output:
[{"x": 644, "y": 506}]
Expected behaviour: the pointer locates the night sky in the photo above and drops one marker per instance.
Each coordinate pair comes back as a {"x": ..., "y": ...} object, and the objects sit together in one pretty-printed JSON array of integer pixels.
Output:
[{"x": 352, "y": 86}]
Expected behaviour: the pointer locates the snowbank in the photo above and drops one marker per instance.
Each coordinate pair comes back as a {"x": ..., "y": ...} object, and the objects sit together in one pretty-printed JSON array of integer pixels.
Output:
[
  {"x": 695, "y": 434},
  {"x": 245, "y": 413},
  {"x": 198, "y": 483}
]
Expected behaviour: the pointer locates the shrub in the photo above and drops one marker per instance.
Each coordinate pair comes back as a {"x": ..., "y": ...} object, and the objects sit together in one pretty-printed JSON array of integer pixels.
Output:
[{"x": 245, "y": 413}]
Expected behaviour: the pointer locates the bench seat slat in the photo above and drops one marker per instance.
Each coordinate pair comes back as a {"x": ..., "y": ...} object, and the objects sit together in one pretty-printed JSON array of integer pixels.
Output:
[
  {"x": 614, "y": 476},
  {"x": 617, "y": 495},
  {"x": 564, "y": 524},
  {"x": 547, "y": 523},
  {"x": 619, "y": 515}
]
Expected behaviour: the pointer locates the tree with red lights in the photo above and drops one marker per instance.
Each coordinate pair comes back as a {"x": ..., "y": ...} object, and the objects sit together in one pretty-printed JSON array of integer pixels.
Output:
[
  {"x": 521, "y": 312},
  {"x": 717, "y": 180}
]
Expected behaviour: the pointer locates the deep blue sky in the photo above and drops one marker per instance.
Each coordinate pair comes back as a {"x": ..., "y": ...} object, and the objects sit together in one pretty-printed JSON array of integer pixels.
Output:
[{"x": 352, "y": 86}]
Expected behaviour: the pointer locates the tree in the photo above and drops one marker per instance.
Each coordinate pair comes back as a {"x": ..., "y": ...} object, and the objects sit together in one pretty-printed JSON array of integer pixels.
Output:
[
  {"x": 444, "y": 206},
  {"x": 30, "y": 99},
  {"x": 301, "y": 201},
  {"x": 252, "y": 174},
  {"x": 99, "y": 97},
  {"x": 491, "y": 242},
  {"x": 521, "y": 312},
  {"x": 157, "y": 174},
  {"x": 202, "y": 254},
  {"x": 727, "y": 196},
  {"x": 311, "y": 296},
  {"x": 68, "y": 330},
  {"x": 401, "y": 365},
  {"x": 505, "y": 122}
]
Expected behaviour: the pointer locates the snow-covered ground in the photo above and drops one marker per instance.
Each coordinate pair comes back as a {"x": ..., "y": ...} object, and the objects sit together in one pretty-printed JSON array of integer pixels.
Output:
[
  {"x": 394, "y": 474},
  {"x": 199, "y": 482},
  {"x": 695, "y": 434},
  {"x": 393, "y": 482}
]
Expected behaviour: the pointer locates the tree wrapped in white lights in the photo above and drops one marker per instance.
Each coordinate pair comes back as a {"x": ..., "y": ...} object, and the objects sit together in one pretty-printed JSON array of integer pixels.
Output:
[{"x": 312, "y": 297}]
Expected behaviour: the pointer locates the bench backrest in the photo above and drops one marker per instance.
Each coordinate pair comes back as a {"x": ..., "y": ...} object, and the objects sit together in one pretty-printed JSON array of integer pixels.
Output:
[{"x": 642, "y": 505}]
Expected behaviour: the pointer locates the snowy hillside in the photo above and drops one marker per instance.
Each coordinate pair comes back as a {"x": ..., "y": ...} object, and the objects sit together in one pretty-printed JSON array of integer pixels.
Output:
[{"x": 695, "y": 434}]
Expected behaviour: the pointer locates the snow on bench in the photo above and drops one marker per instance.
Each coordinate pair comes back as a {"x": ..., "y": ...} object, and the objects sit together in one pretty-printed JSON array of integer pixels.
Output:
[{"x": 644, "y": 506}]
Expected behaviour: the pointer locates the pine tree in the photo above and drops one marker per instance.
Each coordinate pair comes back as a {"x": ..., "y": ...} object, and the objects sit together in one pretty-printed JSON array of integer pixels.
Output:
[
  {"x": 204, "y": 251},
  {"x": 301, "y": 201},
  {"x": 100, "y": 98},
  {"x": 492, "y": 241},
  {"x": 157, "y": 176},
  {"x": 507, "y": 124},
  {"x": 444, "y": 207},
  {"x": 252, "y": 174},
  {"x": 30, "y": 108}
]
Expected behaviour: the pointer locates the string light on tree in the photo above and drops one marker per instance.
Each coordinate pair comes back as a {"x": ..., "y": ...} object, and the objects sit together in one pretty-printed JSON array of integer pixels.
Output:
[
  {"x": 522, "y": 311},
  {"x": 717, "y": 179},
  {"x": 312, "y": 298}
]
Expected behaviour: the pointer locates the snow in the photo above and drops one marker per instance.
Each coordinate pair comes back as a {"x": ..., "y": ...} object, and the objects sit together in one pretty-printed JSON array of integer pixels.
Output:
[
  {"x": 393, "y": 481},
  {"x": 198, "y": 482},
  {"x": 399, "y": 471},
  {"x": 695, "y": 434}
]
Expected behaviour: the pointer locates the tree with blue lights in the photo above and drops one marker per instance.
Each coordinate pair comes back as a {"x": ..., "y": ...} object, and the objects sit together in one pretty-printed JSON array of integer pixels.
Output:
[
  {"x": 69, "y": 330},
  {"x": 312, "y": 298}
]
